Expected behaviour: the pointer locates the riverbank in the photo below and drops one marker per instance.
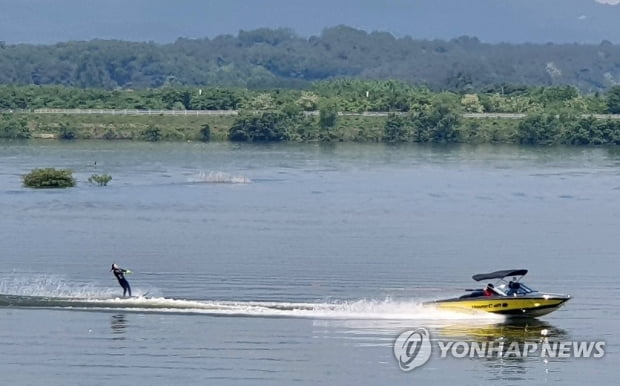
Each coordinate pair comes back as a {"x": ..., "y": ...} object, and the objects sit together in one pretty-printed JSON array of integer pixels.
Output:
[
  {"x": 340, "y": 110},
  {"x": 188, "y": 125},
  {"x": 125, "y": 127},
  {"x": 181, "y": 127}
]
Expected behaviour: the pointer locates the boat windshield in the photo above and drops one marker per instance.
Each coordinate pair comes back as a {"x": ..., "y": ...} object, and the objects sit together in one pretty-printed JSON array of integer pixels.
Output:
[
  {"x": 500, "y": 291},
  {"x": 516, "y": 288}
]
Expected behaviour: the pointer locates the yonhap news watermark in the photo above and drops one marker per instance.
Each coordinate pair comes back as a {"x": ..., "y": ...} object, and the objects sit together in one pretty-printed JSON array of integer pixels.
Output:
[{"x": 413, "y": 348}]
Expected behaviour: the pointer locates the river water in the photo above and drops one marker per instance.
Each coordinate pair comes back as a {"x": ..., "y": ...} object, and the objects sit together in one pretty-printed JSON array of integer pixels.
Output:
[{"x": 301, "y": 264}]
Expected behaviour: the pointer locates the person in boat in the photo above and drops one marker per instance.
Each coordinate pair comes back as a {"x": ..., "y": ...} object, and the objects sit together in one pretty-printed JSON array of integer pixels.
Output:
[
  {"x": 119, "y": 273},
  {"x": 489, "y": 290},
  {"x": 513, "y": 288}
]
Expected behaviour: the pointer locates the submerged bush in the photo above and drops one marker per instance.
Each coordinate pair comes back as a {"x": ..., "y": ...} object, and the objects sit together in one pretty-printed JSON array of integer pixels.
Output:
[
  {"x": 49, "y": 178},
  {"x": 101, "y": 180}
]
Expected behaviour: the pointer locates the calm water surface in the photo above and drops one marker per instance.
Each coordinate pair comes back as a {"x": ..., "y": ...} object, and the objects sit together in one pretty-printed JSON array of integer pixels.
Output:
[{"x": 305, "y": 264}]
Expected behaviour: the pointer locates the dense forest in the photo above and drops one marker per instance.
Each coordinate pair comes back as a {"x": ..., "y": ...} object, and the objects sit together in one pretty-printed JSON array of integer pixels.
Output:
[{"x": 278, "y": 58}]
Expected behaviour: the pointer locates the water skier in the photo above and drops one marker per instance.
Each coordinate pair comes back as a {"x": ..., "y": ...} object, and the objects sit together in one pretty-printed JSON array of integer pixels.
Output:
[{"x": 120, "y": 276}]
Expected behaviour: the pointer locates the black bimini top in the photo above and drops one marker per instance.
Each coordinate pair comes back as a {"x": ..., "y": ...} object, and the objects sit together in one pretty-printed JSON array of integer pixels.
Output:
[{"x": 499, "y": 274}]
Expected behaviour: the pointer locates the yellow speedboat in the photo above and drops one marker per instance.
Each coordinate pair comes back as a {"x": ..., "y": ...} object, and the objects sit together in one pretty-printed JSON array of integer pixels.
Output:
[{"x": 511, "y": 298}]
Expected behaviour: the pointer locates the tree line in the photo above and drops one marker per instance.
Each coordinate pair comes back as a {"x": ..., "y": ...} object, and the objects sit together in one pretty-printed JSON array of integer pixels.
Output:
[
  {"x": 437, "y": 124},
  {"x": 346, "y": 95},
  {"x": 278, "y": 58}
]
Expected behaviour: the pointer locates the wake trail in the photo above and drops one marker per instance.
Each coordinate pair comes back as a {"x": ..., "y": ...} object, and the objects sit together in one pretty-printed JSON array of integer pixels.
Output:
[
  {"x": 361, "y": 309},
  {"x": 43, "y": 291}
]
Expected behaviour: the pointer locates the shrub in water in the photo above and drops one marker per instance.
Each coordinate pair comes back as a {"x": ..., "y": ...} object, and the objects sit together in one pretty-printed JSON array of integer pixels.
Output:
[
  {"x": 101, "y": 180},
  {"x": 49, "y": 178}
]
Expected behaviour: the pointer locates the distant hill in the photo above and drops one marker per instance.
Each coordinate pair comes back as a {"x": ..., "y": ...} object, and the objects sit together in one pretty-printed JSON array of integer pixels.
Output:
[
  {"x": 492, "y": 21},
  {"x": 266, "y": 58}
]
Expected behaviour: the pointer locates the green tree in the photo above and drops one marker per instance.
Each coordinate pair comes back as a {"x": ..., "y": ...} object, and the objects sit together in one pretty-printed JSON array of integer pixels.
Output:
[
  {"x": 328, "y": 114},
  {"x": 539, "y": 129},
  {"x": 205, "y": 133},
  {"x": 328, "y": 117},
  {"x": 396, "y": 129},
  {"x": 262, "y": 101},
  {"x": 471, "y": 103},
  {"x": 308, "y": 101},
  {"x": 613, "y": 100},
  {"x": 264, "y": 127},
  {"x": 582, "y": 132},
  {"x": 306, "y": 128},
  {"x": 151, "y": 134},
  {"x": 439, "y": 124},
  {"x": 13, "y": 128}
]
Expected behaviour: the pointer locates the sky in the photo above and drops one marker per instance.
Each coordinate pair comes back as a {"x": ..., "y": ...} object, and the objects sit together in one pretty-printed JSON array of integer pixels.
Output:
[{"x": 162, "y": 21}]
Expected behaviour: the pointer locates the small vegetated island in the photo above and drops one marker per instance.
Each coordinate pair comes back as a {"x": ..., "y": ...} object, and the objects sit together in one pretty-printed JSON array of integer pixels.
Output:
[
  {"x": 344, "y": 85},
  {"x": 52, "y": 178},
  {"x": 49, "y": 178}
]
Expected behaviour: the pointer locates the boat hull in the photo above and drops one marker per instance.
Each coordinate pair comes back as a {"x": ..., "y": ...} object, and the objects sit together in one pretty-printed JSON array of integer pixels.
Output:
[{"x": 525, "y": 306}]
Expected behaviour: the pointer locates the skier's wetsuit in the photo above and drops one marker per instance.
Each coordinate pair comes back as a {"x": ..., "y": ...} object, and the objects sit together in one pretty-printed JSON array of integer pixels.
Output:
[{"x": 120, "y": 276}]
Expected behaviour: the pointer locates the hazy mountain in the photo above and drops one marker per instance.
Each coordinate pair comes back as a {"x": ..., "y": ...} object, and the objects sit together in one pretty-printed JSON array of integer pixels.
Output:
[{"x": 46, "y": 21}]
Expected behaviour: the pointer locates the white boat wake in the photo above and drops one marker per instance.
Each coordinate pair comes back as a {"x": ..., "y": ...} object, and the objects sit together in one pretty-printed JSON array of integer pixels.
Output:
[
  {"x": 219, "y": 178},
  {"x": 361, "y": 309},
  {"x": 41, "y": 291}
]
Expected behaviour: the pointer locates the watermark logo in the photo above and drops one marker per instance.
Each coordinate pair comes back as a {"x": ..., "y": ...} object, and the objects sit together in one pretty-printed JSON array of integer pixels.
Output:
[
  {"x": 543, "y": 349},
  {"x": 412, "y": 348}
]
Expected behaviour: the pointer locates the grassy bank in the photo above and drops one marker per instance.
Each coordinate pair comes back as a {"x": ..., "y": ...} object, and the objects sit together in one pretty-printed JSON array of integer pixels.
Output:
[
  {"x": 182, "y": 128},
  {"x": 172, "y": 128}
]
